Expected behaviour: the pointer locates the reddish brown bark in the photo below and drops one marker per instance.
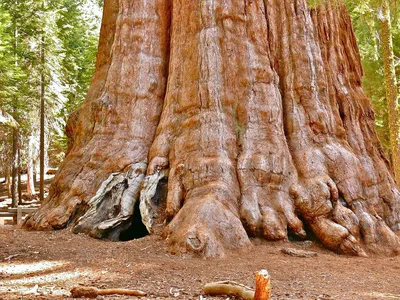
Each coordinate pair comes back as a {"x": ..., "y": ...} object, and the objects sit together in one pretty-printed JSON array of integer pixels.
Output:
[
  {"x": 253, "y": 111},
  {"x": 8, "y": 182},
  {"x": 30, "y": 185}
]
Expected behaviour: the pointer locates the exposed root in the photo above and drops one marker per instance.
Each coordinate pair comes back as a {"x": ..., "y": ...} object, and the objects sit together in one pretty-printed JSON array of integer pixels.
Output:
[
  {"x": 207, "y": 228},
  {"x": 51, "y": 216},
  {"x": 176, "y": 191}
]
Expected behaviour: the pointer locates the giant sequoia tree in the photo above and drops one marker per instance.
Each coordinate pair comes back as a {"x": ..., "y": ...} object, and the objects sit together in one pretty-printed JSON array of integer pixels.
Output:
[{"x": 226, "y": 119}]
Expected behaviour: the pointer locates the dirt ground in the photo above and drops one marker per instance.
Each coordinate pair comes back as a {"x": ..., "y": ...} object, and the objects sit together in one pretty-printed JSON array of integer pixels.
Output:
[
  {"x": 46, "y": 265},
  {"x": 57, "y": 261}
]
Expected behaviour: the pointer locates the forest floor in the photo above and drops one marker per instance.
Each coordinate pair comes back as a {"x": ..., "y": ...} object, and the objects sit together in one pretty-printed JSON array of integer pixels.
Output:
[{"x": 46, "y": 265}]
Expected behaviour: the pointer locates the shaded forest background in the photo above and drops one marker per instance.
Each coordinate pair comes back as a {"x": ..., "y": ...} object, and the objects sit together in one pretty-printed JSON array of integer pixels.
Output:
[{"x": 47, "y": 57}]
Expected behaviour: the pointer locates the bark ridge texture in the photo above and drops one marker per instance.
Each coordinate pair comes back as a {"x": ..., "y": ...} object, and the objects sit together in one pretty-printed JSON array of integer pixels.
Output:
[{"x": 255, "y": 113}]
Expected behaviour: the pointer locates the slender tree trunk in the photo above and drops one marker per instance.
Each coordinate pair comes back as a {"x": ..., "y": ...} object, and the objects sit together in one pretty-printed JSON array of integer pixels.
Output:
[
  {"x": 46, "y": 143},
  {"x": 219, "y": 120},
  {"x": 14, "y": 172},
  {"x": 391, "y": 86},
  {"x": 42, "y": 119},
  {"x": 15, "y": 134},
  {"x": 30, "y": 184},
  {"x": 34, "y": 173},
  {"x": 8, "y": 182},
  {"x": 19, "y": 176},
  {"x": 29, "y": 181},
  {"x": 6, "y": 174}
]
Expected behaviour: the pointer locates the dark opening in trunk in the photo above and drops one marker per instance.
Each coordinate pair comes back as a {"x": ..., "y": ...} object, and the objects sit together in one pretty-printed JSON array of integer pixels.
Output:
[{"x": 137, "y": 229}]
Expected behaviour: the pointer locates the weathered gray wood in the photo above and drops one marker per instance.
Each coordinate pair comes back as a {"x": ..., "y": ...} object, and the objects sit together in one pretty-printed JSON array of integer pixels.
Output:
[
  {"x": 150, "y": 210},
  {"x": 114, "y": 203}
]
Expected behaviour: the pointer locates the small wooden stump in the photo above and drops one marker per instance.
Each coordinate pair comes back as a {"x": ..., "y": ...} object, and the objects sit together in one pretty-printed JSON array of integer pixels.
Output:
[{"x": 263, "y": 286}]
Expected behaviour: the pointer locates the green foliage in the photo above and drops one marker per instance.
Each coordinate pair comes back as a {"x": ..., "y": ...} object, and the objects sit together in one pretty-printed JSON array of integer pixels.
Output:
[
  {"x": 79, "y": 40},
  {"x": 364, "y": 14},
  {"x": 367, "y": 29},
  {"x": 67, "y": 31},
  {"x": 77, "y": 29},
  {"x": 6, "y": 55}
]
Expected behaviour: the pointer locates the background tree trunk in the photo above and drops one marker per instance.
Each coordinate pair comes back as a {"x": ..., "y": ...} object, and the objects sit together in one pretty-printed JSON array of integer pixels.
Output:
[
  {"x": 30, "y": 182},
  {"x": 35, "y": 172},
  {"x": 228, "y": 119},
  {"x": 19, "y": 174},
  {"x": 391, "y": 86},
  {"x": 8, "y": 182},
  {"x": 15, "y": 133},
  {"x": 42, "y": 119},
  {"x": 14, "y": 169}
]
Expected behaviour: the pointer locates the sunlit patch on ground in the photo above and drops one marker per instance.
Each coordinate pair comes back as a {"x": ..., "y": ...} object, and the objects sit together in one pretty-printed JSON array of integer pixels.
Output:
[
  {"x": 45, "y": 284},
  {"x": 39, "y": 278},
  {"x": 13, "y": 269},
  {"x": 383, "y": 296}
]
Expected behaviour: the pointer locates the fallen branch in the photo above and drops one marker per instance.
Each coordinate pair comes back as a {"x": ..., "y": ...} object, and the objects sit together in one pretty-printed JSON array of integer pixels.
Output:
[
  {"x": 92, "y": 292},
  {"x": 231, "y": 288},
  {"x": 298, "y": 253},
  {"x": 11, "y": 257}
]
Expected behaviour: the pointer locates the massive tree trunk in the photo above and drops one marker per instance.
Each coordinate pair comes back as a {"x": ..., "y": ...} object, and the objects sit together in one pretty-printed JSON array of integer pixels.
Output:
[{"x": 226, "y": 119}]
